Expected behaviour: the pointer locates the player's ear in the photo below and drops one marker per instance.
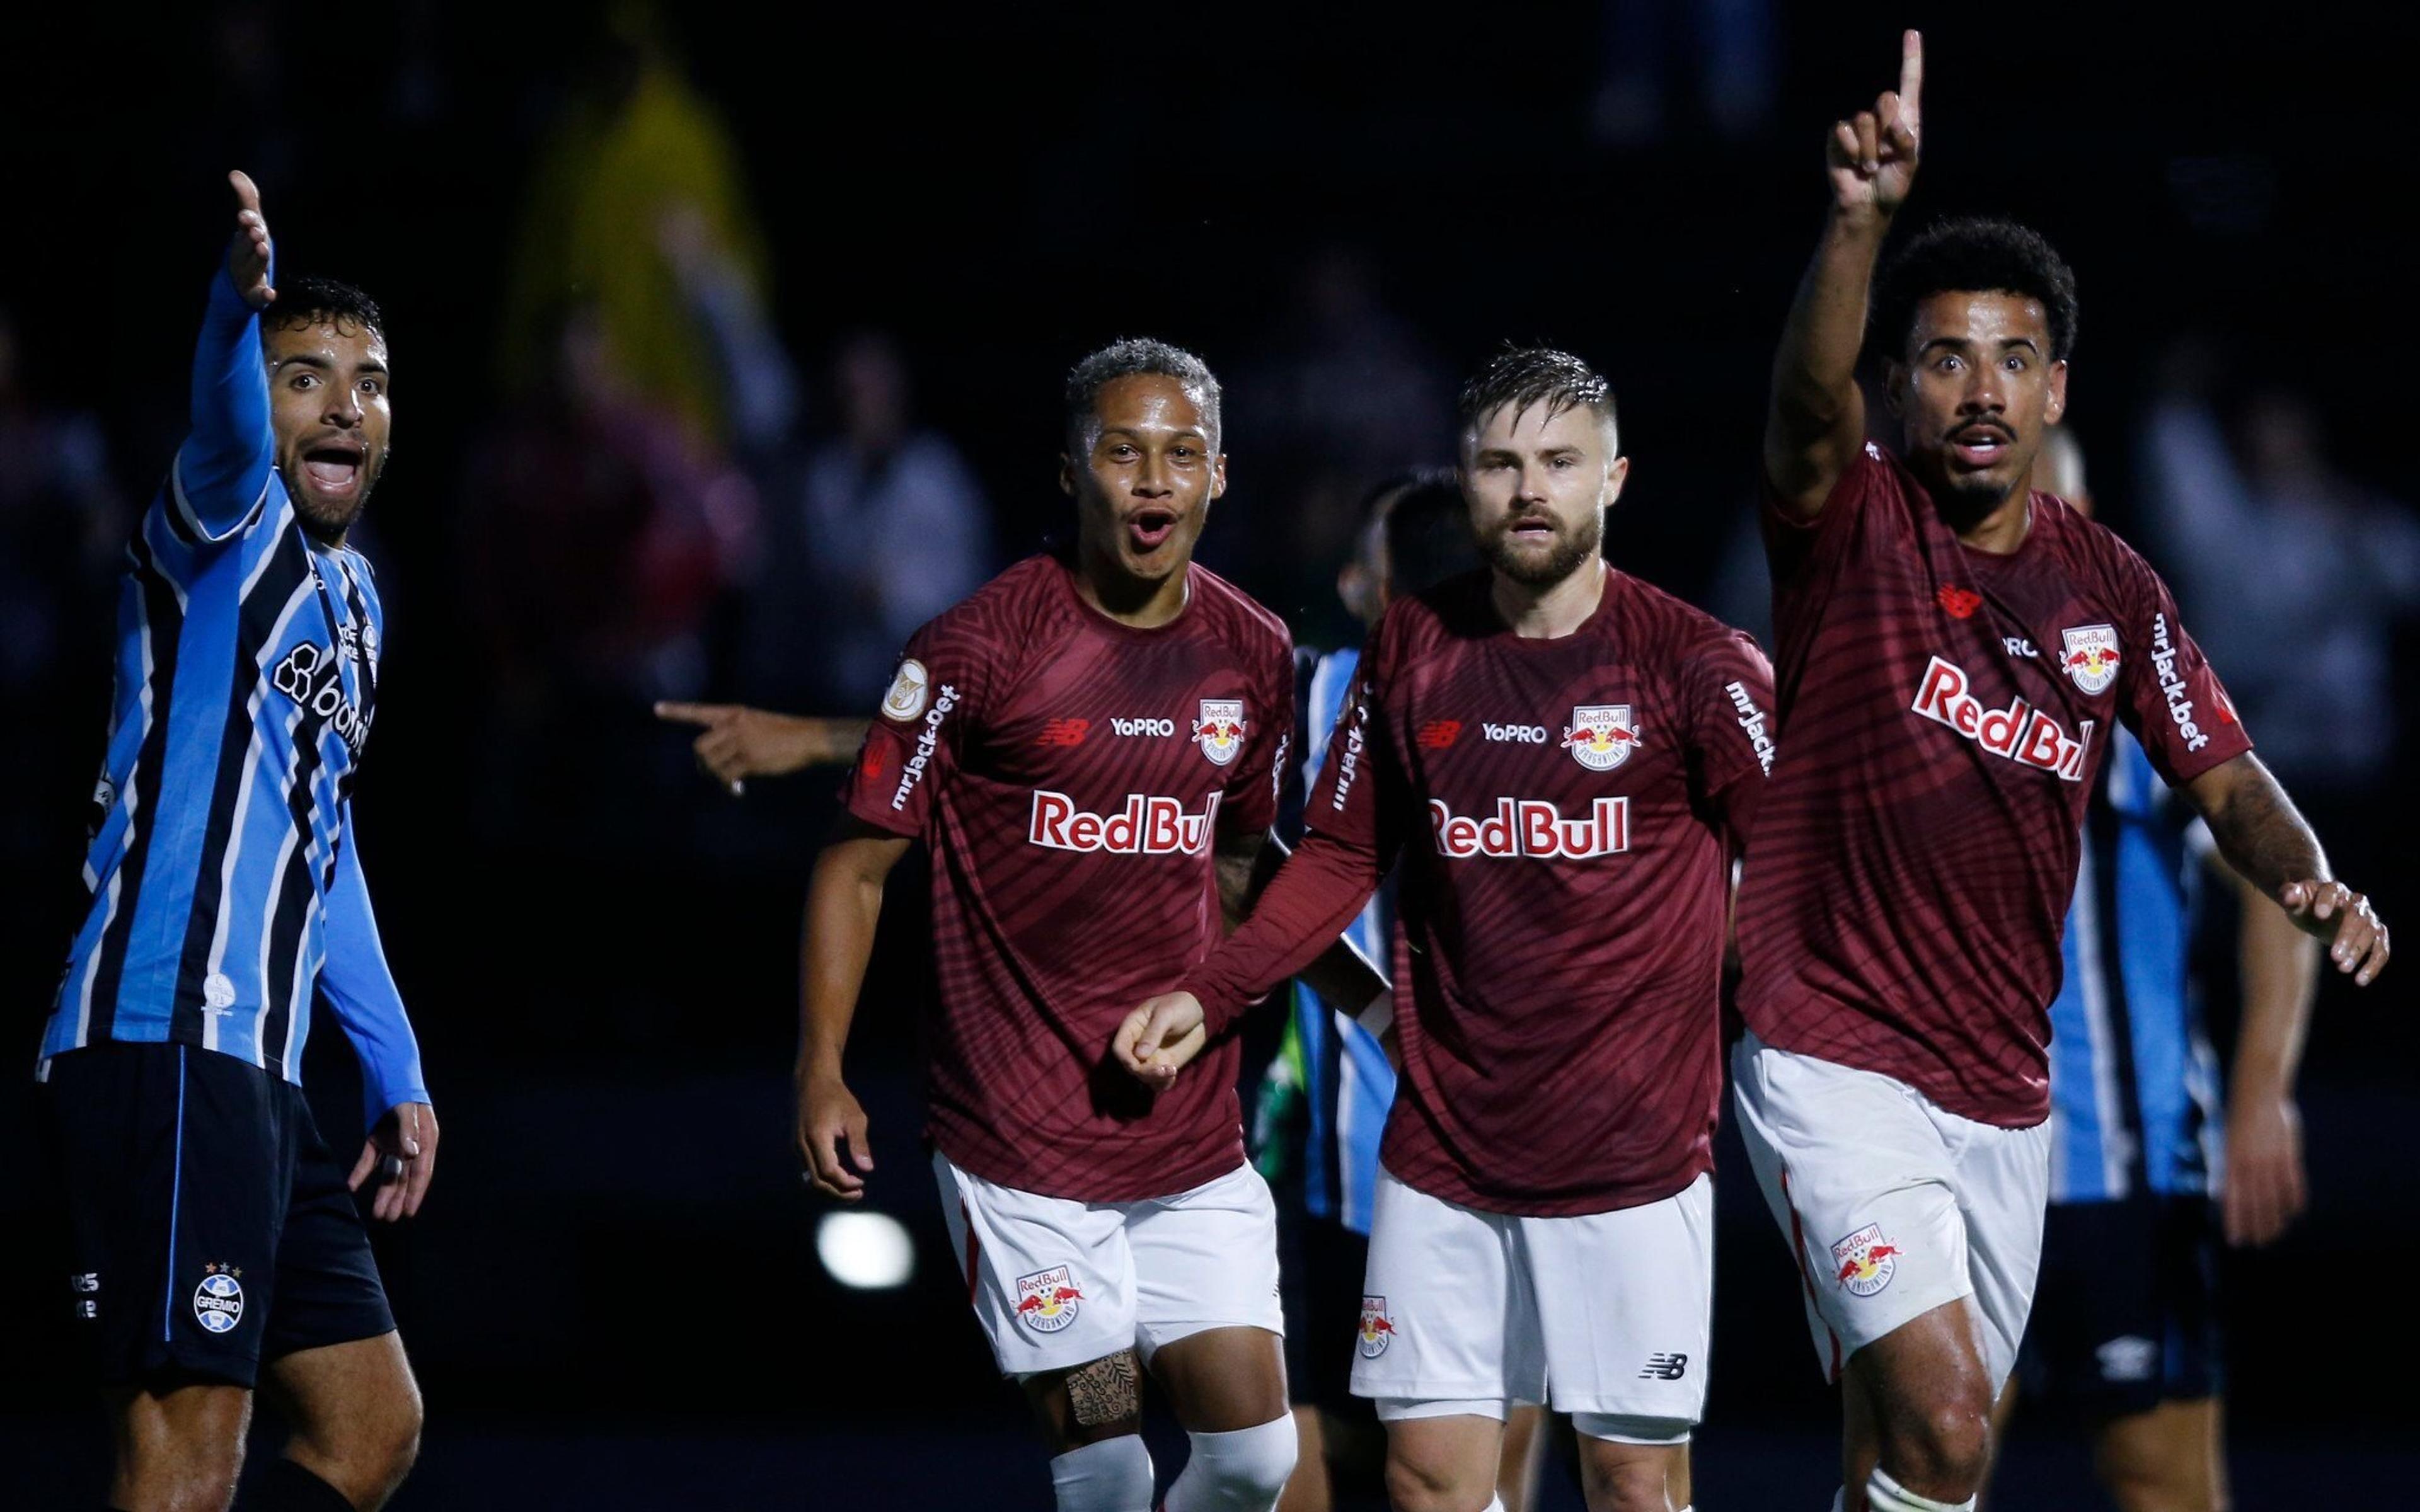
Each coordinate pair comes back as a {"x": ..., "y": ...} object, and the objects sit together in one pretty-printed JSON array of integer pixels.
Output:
[
  {"x": 1357, "y": 586},
  {"x": 1218, "y": 475},
  {"x": 2057, "y": 407},
  {"x": 1615, "y": 476},
  {"x": 1067, "y": 475}
]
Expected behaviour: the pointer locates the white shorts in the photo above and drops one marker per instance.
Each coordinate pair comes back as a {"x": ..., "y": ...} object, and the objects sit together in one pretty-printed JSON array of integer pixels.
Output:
[
  {"x": 1605, "y": 1314},
  {"x": 1892, "y": 1204},
  {"x": 1057, "y": 1283}
]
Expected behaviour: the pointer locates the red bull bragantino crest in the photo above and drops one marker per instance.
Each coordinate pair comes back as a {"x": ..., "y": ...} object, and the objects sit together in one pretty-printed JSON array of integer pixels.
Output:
[
  {"x": 1046, "y": 1301},
  {"x": 1377, "y": 1329},
  {"x": 1600, "y": 735},
  {"x": 2090, "y": 655},
  {"x": 1219, "y": 732},
  {"x": 1865, "y": 1261}
]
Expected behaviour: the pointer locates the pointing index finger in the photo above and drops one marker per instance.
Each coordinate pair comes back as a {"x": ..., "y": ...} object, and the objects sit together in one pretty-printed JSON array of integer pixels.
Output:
[
  {"x": 246, "y": 192},
  {"x": 699, "y": 713},
  {"x": 1911, "y": 76}
]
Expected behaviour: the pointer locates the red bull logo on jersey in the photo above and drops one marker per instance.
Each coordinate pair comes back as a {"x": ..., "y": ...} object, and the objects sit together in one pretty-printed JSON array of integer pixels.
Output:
[
  {"x": 1149, "y": 825},
  {"x": 1866, "y": 1262},
  {"x": 1534, "y": 828},
  {"x": 2090, "y": 656},
  {"x": 1047, "y": 1300},
  {"x": 1600, "y": 735},
  {"x": 1219, "y": 732},
  {"x": 2022, "y": 734},
  {"x": 1377, "y": 1330}
]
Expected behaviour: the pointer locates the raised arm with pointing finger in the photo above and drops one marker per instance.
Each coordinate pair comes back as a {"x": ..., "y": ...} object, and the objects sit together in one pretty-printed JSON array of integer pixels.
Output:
[{"x": 1818, "y": 419}]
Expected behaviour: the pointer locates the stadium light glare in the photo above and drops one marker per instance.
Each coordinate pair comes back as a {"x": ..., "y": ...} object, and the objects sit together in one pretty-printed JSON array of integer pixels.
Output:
[{"x": 868, "y": 1251}]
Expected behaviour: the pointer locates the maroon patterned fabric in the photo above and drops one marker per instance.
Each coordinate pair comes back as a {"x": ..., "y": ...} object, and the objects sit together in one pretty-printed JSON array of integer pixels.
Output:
[{"x": 1072, "y": 777}]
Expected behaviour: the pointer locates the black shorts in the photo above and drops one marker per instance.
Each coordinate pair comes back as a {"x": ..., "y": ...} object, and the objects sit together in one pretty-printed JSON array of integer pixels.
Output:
[
  {"x": 210, "y": 1226},
  {"x": 1320, "y": 1290},
  {"x": 2126, "y": 1312}
]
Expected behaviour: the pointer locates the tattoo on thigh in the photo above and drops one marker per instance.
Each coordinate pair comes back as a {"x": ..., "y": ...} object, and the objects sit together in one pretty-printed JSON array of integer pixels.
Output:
[{"x": 1106, "y": 1391}]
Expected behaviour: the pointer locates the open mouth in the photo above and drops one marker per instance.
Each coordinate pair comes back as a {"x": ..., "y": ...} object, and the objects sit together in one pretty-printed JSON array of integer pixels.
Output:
[
  {"x": 1530, "y": 527},
  {"x": 334, "y": 468},
  {"x": 1149, "y": 529},
  {"x": 1975, "y": 447}
]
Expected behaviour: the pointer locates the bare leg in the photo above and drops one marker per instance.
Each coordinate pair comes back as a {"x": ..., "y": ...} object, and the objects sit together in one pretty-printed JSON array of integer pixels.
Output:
[
  {"x": 354, "y": 1413},
  {"x": 1088, "y": 1403},
  {"x": 1631, "y": 1477},
  {"x": 1306, "y": 1489},
  {"x": 2167, "y": 1459},
  {"x": 1443, "y": 1464},
  {"x": 1523, "y": 1450},
  {"x": 1919, "y": 1402},
  {"x": 177, "y": 1450}
]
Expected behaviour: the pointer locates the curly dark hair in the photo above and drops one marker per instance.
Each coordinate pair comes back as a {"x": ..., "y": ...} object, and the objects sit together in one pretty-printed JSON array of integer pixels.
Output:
[
  {"x": 323, "y": 300},
  {"x": 1976, "y": 255},
  {"x": 1124, "y": 358},
  {"x": 1524, "y": 376}
]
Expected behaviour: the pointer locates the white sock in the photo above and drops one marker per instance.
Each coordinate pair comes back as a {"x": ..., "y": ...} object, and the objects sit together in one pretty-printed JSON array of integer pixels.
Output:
[
  {"x": 1243, "y": 1471},
  {"x": 1113, "y": 1476},
  {"x": 1883, "y": 1494}
]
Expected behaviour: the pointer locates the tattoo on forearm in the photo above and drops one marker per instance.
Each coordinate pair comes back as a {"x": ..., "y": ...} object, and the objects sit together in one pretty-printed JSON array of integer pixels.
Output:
[
  {"x": 1108, "y": 1390},
  {"x": 2265, "y": 837}
]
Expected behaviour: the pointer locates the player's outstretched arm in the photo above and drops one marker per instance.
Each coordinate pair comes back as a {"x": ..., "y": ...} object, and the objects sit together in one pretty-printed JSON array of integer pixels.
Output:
[
  {"x": 844, "y": 905},
  {"x": 400, "y": 1151},
  {"x": 736, "y": 742},
  {"x": 1817, "y": 422},
  {"x": 2265, "y": 840},
  {"x": 2266, "y": 1187},
  {"x": 223, "y": 468}
]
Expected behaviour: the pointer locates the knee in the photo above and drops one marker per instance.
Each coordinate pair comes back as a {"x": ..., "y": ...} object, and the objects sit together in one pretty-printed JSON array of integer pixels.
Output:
[
  {"x": 1947, "y": 1443},
  {"x": 1417, "y": 1484},
  {"x": 1628, "y": 1488},
  {"x": 1246, "y": 1468},
  {"x": 365, "y": 1454}
]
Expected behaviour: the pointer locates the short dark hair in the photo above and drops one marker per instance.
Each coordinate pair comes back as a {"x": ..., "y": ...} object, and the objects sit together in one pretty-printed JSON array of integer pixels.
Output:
[
  {"x": 1427, "y": 529},
  {"x": 312, "y": 301},
  {"x": 1125, "y": 359},
  {"x": 1974, "y": 254},
  {"x": 1524, "y": 376}
]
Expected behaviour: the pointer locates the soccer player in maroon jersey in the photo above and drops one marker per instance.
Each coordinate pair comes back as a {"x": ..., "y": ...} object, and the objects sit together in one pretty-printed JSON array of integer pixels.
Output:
[
  {"x": 1565, "y": 758},
  {"x": 1089, "y": 746},
  {"x": 1953, "y": 649}
]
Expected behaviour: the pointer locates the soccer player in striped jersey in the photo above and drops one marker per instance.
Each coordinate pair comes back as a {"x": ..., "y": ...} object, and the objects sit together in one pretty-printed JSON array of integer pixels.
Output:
[
  {"x": 1089, "y": 747},
  {"x": 1954, "y": 648},
  {"x": 1542, "y": 1227},
  {"x": 215, "y": 1240}
]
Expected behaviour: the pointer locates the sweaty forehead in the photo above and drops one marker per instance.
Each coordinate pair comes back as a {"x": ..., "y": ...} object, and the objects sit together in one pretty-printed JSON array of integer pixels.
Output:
[
  {"x": 1148, "y": 402},
  {"x": 1528, "y": 427},
  {"x": 342, "y": 346},
  {"x": 1981, "y": 316}
]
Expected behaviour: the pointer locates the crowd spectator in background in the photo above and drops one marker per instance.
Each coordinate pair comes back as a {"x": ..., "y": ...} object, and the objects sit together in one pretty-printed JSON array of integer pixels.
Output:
[
  {"x": 2298, "y": 574},
  {"x": 62, "y": 526}
]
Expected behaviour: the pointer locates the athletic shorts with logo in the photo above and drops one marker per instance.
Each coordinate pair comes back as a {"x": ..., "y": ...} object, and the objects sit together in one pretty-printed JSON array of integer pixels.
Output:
[
  {"x": 1892, "y": 1204},
  {"x": 1605, "y": 1315},
  {"x": 210, "y": 1225},
  {"x": 1055, "y": 1282},
  {"x": 2127, "y": 1314}
]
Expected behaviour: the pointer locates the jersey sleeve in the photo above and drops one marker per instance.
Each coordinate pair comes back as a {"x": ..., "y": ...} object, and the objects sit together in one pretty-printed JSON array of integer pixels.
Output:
[
  {"x": 1250, "y": 805},
  {"x": 1729, "y": 686},
  {"x": 220, "y": 479},
  {"x": 1792, "y": 544},
  {"x": 2167, "y": 692},
  {"x": 360, "y": 988},
  {"x": 913, "y": 744},
  {"x": 1351, "y": 834}
]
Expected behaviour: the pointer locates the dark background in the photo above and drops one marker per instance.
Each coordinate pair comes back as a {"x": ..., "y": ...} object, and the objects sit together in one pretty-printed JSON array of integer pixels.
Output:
[{"x": 612, "y": 1297}]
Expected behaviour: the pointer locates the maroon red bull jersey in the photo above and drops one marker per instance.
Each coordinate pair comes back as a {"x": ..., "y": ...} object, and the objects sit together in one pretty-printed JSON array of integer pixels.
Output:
[
  {"x": 1563, "y": 809},
  {"x": 1072, "y": 777},
  {"x": 1945, "y": 712}
]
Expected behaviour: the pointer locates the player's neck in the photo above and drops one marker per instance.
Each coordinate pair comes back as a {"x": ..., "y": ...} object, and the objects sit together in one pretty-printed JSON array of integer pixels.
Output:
[
  {"x": 1555, "y": 610},
  {"x": 2001, "y": 529},
  {"x": 1144, "y": 604}
]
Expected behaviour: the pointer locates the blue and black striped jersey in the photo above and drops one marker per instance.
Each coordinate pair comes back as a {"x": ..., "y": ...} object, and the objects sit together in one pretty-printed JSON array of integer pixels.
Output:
[{"x": 227, "y": 887}]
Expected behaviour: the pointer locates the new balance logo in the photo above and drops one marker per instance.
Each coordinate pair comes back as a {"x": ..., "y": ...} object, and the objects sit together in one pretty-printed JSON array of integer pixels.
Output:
[
  {"x": 1063, "y": 733},
  {"x": 1665, "y": 1367},
  {"x": 1438, "y": 734}
]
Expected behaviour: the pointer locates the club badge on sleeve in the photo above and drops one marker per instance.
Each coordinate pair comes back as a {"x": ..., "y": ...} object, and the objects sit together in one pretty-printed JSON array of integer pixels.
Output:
[{"x": 909, "y": 689}]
